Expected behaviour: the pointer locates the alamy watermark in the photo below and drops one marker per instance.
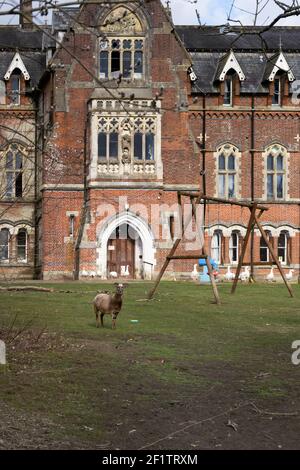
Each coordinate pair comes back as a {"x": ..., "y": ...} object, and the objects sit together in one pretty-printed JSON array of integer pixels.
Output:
[
  {"x": 2, "y": 353},
  {"x": 296, "y": 353}
]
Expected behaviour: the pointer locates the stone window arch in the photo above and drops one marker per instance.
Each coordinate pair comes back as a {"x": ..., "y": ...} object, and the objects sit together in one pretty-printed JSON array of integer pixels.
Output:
[
  {"x": 122, "y": 47},
  {"x": 13, "y": 159}
]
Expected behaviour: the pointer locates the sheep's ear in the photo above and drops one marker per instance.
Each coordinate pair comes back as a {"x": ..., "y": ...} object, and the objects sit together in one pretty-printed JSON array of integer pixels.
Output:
[{"x": 125, "y": 285}]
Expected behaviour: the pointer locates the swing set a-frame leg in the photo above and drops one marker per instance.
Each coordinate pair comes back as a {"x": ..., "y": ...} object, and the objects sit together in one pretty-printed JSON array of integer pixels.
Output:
[
  {"x": 164, "y": 267},
  {"x": 208, "y": 263},
  {"x": 184, "y": 225},
  {"x": 272, "y": 252},
  {"x": 244, "y": 248}
]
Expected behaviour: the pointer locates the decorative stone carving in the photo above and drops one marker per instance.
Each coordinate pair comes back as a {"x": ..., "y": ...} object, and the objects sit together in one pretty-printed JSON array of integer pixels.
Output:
[
  {"x": 122, "y": 20},
  {"x": 108, "y": 168},
  {"x": 126, "y": 130}
]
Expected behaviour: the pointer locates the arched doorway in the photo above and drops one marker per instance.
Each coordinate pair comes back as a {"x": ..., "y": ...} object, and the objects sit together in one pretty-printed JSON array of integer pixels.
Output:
[
  {"x": 125, "y": 248},
  {"x": 121, "y": 253}
]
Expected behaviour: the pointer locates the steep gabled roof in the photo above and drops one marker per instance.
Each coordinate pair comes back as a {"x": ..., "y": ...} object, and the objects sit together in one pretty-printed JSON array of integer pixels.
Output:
[
  {"x": 17, "y": 63},
  {"x": 247, "y": 38},
  {"x": 229, "y": 61},
  {"x": 275, "y": 64}
]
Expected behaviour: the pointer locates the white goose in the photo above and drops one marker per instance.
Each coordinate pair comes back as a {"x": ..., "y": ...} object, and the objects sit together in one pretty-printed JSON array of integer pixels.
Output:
[
  {"x": 270, "y": 277},
  {"x": 229, "y": 276},
  {"x": 126, "y": 272},
  {"x": 245, "y": 275},
  {"x": 113, "y": 274},
  {"x": 194, "y": 273},
  {"x": 289, "y": 275}
]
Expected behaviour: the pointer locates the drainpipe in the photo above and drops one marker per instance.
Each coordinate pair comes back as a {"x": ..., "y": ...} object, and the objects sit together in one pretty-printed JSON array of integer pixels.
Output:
[
  {"x": 252, "y": 151},
  {"x": 36, "y": 215},
  {"x": 85, "y": 206}
]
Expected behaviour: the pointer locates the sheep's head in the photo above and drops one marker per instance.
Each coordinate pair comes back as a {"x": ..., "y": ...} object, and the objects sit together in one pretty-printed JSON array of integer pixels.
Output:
[{"x": 120, "y": 288}]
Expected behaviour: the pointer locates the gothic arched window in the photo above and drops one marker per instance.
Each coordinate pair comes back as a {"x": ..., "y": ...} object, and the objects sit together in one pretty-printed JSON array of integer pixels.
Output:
[
  {"x": 264, "y": 251},
  {"x": 13, "y": 164},
  {"x": 22, "y": 244},
  {"x": 216, "y": 246},
  {"x": 234, "y": 242},
  {"x": 227, "y": 171},
  {"x": 283, "y": 247},
  {"x": 4, "y": 244},
  {"x": 276, "y": 172},
  {"x": 122, "y": 46}
]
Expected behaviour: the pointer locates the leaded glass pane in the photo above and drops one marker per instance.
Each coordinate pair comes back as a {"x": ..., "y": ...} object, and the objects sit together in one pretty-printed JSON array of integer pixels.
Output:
[{"x": 149, "y": 146}]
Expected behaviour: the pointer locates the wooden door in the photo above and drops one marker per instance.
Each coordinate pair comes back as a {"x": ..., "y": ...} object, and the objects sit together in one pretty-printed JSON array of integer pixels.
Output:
[{"x": 120, "y": 256}]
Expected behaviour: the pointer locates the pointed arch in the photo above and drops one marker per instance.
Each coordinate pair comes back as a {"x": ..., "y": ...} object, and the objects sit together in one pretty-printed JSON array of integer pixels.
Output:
[
  {"x": 17, "y": 63},
  {"x": 230, "y": 62},
  {"x": 142, "y": 229},
  {"x": 122, "y": 20}
]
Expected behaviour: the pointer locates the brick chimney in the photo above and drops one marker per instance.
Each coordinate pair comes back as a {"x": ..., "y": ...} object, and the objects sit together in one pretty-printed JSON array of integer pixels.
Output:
[{"x": 26, "y": 9}]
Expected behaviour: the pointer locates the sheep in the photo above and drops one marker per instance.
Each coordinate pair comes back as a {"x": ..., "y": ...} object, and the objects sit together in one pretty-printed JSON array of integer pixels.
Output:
[{"x": 109, "y": 304}]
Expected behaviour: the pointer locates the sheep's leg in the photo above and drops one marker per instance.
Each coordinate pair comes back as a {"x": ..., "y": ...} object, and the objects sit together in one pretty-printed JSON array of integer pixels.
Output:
[
  {"x": 97, "y": 316},
  {"x": 102, "y": 315},
  {"x": 114, "y": 317}
]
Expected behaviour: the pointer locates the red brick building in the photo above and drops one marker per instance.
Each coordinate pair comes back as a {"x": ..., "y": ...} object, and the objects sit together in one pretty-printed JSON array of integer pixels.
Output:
[{"x": 124, "y": 110}]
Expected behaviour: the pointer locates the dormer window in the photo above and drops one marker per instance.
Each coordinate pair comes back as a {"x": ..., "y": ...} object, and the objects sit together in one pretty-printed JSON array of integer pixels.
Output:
[
  {"x": 14, "y": 77},
  {"x": 15, "y": 91},
  {"x": 276, "y": 98},
  {"x": 229, "y": 74}
]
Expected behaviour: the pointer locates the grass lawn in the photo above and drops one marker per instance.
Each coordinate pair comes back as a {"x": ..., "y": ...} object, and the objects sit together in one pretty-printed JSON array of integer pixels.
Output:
[{"x": 187, "y": 375}]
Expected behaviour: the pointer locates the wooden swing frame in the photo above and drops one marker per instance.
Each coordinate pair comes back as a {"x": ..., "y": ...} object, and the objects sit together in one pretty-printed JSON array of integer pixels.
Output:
[{"x": 256, "y": 211}]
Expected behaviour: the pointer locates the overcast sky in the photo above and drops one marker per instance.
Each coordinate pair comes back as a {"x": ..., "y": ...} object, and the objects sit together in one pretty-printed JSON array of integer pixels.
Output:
[{"x": 211, "y": 12}]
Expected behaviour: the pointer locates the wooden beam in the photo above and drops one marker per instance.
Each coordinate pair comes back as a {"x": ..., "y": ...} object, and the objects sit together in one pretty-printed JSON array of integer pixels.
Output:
[
  {"x": 260, "y": 263},
  {"x": 246, "y": 239},
  {"x": 187, "y": 257},
  {"x": 223, "y": 201},
  {"x": 271, "y": 249}
]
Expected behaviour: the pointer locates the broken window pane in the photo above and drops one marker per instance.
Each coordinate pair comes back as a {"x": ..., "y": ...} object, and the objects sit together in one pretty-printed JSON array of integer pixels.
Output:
[
  {"x": 19, "y": 185},
  {"x": 115, "y": 62},
  {"x": 138, "y": 62}
]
